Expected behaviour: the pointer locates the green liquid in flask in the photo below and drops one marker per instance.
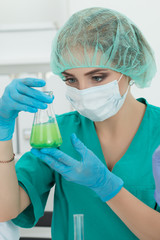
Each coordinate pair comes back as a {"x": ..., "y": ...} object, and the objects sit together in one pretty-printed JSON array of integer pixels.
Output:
[{"x": 45, "y": 135}]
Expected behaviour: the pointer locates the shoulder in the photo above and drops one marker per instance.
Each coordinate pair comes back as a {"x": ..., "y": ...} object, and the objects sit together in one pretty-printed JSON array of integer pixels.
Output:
[
  {"x": 153, "y": 112},
  {"x": 28, "y": 155},
  {"x": 151, "y": 121},
  {"x": 154, "y": 109},
  {"x": 152, "y": 124},
  {"x": 30, "y": 166},
  {"x": 26, "y": 159}
]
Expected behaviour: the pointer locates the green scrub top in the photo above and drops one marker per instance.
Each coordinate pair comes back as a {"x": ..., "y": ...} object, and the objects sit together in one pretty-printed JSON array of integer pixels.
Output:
[{"x": 100, "y": 222}]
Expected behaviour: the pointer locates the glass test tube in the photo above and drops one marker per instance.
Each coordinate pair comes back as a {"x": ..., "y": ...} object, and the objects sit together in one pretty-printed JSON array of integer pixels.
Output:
[{"x": 78, "y": 226}]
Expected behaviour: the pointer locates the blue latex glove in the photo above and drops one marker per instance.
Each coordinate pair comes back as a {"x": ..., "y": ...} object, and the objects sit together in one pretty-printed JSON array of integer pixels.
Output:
[
  {"x": 156, "y": 173},
  {"x": 20, "y": 96},
  {"x": 90, "y": 171}
]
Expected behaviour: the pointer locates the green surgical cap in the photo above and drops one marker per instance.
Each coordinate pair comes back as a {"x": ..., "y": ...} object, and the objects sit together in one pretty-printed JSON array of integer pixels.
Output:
[{"x": 103, "y": 38}]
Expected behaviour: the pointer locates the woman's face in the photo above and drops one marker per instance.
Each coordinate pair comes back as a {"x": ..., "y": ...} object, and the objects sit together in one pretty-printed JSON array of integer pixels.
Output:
[{"x": 82, "y": 78}]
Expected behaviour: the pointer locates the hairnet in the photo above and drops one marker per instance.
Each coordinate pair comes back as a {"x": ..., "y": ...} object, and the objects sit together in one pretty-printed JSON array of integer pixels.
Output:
[{"x": 104, "y": 38}]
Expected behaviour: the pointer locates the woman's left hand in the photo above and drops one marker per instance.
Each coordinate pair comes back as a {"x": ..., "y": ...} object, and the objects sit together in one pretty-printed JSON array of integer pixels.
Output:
[{"x": 90, "y": 171}]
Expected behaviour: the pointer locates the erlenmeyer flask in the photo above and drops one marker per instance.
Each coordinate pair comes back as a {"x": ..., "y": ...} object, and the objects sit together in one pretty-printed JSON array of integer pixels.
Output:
[
  {"x": 45, "y": 131},
  {"x": 78, "y": 226}
]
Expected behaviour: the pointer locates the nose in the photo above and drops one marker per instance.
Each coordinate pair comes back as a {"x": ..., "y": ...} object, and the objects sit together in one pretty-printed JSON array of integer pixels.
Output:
[{"x": 83, "y": 85}]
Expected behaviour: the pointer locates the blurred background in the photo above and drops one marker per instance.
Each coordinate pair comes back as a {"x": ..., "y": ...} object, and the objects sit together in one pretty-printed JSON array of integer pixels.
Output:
[{"x": 27, "y": 28}]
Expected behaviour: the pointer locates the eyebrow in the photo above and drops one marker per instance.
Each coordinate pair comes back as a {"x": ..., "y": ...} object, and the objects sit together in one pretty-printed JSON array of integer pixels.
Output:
[{"x": 88, "y": 73}]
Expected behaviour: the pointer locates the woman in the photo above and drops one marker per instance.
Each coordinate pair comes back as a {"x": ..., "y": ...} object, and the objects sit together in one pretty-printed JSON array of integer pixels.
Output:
[{"x": 105, "y": 171}]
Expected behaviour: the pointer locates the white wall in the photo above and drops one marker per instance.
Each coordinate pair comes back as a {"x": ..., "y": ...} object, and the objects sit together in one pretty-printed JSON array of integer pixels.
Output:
[
  {"x": 26, "y": 46},
  {"x": 146, "y": 16},
  {"x": 31, "y": 11}
]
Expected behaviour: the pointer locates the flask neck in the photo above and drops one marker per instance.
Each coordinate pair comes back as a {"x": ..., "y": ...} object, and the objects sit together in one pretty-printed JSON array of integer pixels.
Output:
[{"x": 45, "y": 115}]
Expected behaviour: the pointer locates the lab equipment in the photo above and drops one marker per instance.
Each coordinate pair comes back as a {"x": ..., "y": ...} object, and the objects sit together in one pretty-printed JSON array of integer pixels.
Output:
[
  {"x": 45, "y": 131},
  {"x": 109, "y": 100},
  {"x": 103, "y": 38},
  {"x": 78, "y": 226},
  {"x": 156, "y": 173},
  {"x": 90, "y": 171},
  {"x": 19, "y": 96}
]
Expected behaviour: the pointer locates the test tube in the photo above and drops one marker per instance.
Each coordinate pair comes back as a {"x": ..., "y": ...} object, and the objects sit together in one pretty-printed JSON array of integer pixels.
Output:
[{"x": 78, "y": 226}]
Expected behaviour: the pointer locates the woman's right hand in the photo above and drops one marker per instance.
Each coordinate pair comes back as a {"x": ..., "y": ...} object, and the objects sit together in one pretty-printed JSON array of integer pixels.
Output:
[{"x": 20, "y": 96}]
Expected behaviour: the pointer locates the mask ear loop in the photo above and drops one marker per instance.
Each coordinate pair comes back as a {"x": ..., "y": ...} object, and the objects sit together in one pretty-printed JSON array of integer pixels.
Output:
[
  {"x": 131, "y": 82},
  {"x": 127, "y": 88},
  {"x": 120, "y": 78}
]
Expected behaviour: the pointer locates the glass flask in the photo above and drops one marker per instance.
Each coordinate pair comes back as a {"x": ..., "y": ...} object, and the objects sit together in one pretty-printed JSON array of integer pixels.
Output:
[
  {"x": 45, "y": 131},
  {"x": 78, "y": 226}
]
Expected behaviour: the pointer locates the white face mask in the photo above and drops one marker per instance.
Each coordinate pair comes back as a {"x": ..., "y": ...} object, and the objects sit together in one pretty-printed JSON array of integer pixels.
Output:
[{"x": 97, "y": 103}]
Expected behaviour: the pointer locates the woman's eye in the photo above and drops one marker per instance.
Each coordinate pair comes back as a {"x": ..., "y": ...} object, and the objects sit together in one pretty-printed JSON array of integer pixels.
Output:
[
  {"x": 98, "y": 78},
  {"x": 69, "y": 80}
]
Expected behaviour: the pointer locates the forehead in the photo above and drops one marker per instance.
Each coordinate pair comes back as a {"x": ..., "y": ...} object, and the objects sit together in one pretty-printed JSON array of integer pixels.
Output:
[{"x": 85, "y": 70}]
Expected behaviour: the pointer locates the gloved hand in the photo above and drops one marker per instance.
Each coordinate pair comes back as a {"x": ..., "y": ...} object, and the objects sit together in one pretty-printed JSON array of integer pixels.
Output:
[
  {"x": 90, "y": 171},
  {"x": 19, "y": 96},
  {"x": 156, "y": 173}
]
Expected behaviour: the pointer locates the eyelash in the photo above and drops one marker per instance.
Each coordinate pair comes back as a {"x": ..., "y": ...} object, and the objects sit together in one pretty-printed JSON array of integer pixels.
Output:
[
  {"x": 93, "y": 77},
  {"x": 67, "y": 79}
]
